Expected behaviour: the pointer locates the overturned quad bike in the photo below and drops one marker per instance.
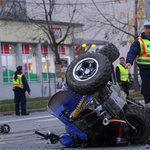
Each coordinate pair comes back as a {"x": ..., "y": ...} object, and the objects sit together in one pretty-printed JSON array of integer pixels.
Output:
[{"x": 93, "y": 108}]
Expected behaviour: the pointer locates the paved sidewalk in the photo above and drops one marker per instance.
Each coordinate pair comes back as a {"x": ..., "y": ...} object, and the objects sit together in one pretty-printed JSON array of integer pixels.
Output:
[{"x": 30, "y": 111}]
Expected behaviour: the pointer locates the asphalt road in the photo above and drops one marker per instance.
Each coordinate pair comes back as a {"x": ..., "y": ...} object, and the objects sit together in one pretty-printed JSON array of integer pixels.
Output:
[{"x": 22, "y": 136}]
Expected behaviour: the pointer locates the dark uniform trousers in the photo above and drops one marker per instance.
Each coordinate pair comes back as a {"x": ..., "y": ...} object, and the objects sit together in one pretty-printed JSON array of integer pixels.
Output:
[
  {"x": 145, "y": 87},
  {"x": 126, "y": 88},
  {"x": 20, "y": 97}
]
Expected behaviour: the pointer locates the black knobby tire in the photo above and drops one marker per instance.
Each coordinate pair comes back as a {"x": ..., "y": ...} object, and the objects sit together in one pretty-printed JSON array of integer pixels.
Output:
[
  {"x": 88, "y": 73},
  {"x": 138, "y": 117},
  {"x": 5, "y": 128},
  {"x": 110, "y": 51}
]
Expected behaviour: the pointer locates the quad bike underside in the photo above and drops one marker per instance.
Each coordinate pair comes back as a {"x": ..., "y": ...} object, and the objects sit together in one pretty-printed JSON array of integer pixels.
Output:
[
  {"x": 134, "y": 130},
  {"x": 109, "y": 118}
]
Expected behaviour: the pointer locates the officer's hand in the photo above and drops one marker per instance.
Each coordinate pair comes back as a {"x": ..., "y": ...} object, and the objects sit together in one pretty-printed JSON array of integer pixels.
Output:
[
  {"x": 128, "y": 65},
  {"x": 29, "y": 93}
]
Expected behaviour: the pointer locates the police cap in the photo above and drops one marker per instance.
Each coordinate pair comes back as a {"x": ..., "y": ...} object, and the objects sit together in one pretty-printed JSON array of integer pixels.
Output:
[
  {"x": 146, "y": 22},
  {"x": 19, "y": 68}
]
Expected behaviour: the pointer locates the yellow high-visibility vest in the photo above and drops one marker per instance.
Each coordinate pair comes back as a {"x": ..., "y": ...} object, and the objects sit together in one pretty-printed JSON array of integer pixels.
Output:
[
  {"x": 124, "y": 73},
  {"x": 18, "y": 82},
  {"x": 144, "y": 56}
]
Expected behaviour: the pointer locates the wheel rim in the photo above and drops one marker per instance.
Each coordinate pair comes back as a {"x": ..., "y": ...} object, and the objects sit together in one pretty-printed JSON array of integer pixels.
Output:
[
  {"x": 132, "y": 134},
  {"x": 85, "y": 69},
  {"x": 6, "y": 128}
]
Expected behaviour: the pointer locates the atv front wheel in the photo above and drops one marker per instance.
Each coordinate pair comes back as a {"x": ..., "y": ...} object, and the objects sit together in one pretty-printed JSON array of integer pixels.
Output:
[{"x": 88, "y": 73}]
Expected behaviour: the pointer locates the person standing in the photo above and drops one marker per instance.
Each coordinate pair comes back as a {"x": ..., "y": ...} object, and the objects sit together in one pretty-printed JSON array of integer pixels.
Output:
[
  {"x": 122, "y": 75},
  {"x": 140, "y": 49},
  {"x": 20, "y": 86}
]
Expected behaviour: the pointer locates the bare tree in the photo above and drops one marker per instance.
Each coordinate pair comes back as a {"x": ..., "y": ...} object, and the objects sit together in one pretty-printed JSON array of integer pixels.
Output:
[
  {"x": 41, "y": 14},
  {"x": 48, "y": 9},
  {"x": 48, "y": 29},
  {"x": 12, "y": 9}
]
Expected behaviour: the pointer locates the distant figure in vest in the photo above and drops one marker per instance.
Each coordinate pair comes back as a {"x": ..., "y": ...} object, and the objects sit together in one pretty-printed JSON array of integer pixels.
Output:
[
  {"x": 20, "y": 86},
  {"x": 140, "y": 49},
  {"x": 123, "y": 76}
]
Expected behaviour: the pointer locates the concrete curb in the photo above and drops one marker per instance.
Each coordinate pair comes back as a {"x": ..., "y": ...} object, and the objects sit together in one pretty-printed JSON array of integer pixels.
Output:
[
  {"x": 29, "y": 111},
  {"x": 138, "y": 98}
]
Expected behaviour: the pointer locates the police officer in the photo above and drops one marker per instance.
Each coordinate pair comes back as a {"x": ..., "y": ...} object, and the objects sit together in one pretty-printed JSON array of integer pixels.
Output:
[
  {"x": 20, "y": 86},
  {"x": 122, "y": 75},
  {"x": 140, "y": 49}
]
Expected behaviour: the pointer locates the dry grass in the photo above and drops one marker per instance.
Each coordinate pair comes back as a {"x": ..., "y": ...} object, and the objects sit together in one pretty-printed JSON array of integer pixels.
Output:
[{"x": 135, "y": 94}]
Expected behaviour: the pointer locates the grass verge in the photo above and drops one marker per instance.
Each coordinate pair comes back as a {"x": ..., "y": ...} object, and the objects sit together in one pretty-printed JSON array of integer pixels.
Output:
[
  {"x": 135, "y": 94},
  {"x": 40, "y": 102},
  {"x": 34, "y": 103}
]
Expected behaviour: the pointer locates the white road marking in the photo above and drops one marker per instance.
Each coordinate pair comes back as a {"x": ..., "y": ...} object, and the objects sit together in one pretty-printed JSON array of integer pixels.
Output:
[
  {"x": 47, "y": 120},
  {"x": 31, "y": 118}
]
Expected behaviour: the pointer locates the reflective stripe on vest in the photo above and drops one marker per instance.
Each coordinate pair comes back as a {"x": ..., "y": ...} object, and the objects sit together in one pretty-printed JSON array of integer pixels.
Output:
[
  {"x": 144, "y": 56},
  {"x": 124, "y": 74},
  {"x": 18, "y": 82}
]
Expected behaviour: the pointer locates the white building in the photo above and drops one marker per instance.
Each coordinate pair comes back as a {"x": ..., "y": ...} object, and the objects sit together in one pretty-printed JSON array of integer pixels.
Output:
[
  {"x": 22, "y": 43},
  {"x": 37, "y": 59},
  {"x": 19, "y": 48}
]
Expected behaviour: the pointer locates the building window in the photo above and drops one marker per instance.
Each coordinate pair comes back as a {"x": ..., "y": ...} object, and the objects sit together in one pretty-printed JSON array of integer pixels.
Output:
[
  {"x": 45, "y": 67},
  {"x": 44, "y": 50},
  {"x": 62, "y": 50},
  {"x": 4, "y": 48},
  {"x": 25, "y": 49},
  {"x": 47, "y": 64},
  {"x": 8, "y": 61},
  {"x": 45, "y": 71},
  {"x": 29, "y": 62}
]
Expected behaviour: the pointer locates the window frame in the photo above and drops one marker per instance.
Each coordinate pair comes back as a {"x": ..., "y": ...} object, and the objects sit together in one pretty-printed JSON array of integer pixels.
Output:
[
  {"x": 27, "y": 55},
  {"x": 9, "y": 78}
]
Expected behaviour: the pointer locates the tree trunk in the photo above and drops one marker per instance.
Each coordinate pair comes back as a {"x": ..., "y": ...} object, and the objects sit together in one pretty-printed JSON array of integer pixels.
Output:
[
  {"x": 58, "y": 77},
  {"x": 58, "y": 61},
  {"x": 136, "y": 83}
]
